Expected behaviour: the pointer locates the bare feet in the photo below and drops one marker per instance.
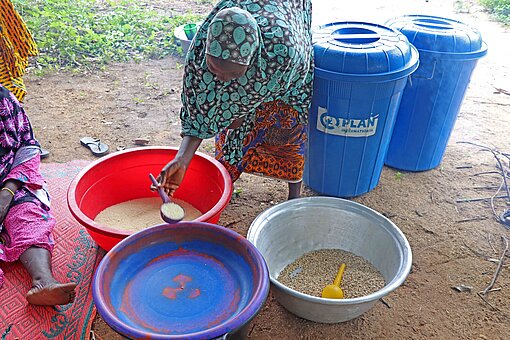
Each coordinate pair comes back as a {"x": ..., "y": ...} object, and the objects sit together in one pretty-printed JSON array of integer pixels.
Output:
[{"x": 46, "y": 293}]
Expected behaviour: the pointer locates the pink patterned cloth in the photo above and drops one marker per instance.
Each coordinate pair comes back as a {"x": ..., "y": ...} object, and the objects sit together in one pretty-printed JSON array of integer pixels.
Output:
[
  {"x": 28, "y": 172},
  {"x": 27, "y": 224}
]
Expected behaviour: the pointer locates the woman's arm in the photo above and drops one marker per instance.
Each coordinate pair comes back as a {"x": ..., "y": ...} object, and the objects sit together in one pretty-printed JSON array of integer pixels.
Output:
[
  {"x": 189, "y": 146},
  {"x": 173, "y": 173},
  {"x": 12, "y": 185},
  {"x": 7, "y": 193}
]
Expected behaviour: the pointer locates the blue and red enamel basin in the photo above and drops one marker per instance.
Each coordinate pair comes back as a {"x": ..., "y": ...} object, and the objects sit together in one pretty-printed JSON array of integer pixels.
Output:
[{"x": 189, "y": 280}]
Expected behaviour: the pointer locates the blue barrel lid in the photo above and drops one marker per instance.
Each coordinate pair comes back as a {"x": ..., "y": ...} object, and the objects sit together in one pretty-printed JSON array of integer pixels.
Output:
[
  {"x": 436, "y": 34},
  {"x": 362, "y": 50}
]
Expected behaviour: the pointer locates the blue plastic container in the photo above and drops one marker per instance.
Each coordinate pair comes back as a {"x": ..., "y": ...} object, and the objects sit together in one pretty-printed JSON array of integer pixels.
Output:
[
  {"x": 449, "y": 51},
  {"x": 189, "y": 280},
  {"x": 361, "y": 70}
]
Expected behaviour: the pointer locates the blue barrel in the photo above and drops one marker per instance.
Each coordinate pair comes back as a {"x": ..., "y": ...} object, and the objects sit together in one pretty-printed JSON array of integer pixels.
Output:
[
  {"x": 449, "y": 51},
  {"x": 361, "y": 70}
]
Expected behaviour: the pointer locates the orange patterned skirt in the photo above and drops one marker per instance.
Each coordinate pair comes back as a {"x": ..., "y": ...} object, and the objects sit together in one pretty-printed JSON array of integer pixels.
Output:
[{"x": 274, "y": 148}]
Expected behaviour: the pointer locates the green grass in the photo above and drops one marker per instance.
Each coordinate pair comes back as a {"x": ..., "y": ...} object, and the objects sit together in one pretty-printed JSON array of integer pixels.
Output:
[
  {"x": 89, "y": 34},
  {"x": 499, "y": 8}
]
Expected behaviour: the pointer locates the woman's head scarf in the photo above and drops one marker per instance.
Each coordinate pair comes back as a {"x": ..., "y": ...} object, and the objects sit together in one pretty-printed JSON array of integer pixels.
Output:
[{"x": 233, "y": 35}]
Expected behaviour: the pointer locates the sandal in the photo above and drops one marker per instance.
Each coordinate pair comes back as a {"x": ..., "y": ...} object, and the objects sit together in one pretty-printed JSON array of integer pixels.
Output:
[
  {"x": 95, "y": 145},
  {"x": 44, "y": 153}
]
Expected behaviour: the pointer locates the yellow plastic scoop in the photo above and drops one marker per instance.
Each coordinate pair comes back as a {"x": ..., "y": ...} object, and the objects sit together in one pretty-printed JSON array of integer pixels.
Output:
[{"x": 334, "y": 291}]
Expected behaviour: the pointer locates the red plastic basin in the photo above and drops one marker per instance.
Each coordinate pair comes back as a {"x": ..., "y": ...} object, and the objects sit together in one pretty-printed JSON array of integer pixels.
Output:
[{"x": 124, "y": 176}]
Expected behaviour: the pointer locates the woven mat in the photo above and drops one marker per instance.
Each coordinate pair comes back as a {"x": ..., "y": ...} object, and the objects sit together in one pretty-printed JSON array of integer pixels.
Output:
[{"x": 75, "y": 258}]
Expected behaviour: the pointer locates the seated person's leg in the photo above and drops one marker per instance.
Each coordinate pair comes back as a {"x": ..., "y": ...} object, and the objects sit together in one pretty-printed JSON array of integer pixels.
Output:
[{"x": 29, "y": 227}]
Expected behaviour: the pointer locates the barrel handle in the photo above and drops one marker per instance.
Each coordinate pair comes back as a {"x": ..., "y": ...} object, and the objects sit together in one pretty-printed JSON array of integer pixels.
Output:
[{"x": 415, "y": 75}]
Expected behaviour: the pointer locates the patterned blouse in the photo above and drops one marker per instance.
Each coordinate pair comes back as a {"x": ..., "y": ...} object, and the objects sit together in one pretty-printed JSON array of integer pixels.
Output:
[{"x": 282, "y": 69}]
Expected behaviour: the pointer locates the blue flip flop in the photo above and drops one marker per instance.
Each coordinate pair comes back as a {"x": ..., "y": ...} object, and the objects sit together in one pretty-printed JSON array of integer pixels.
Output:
[
  {"x": 95, "y": 145},
  {"x": 44, "y": 153}
]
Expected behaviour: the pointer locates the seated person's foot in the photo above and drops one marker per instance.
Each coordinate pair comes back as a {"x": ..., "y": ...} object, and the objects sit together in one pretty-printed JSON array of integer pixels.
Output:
[{"x": 51, "y": 293}]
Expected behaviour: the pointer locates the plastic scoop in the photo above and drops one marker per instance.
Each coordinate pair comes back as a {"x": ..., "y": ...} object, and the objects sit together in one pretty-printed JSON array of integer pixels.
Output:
[
  {"x": 334, "y": 291},
  {"x": 170, "y": 211}
]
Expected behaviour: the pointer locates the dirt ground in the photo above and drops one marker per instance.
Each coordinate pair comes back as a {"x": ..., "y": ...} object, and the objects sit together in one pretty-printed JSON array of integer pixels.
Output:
[{"x": 451, "y": 242}]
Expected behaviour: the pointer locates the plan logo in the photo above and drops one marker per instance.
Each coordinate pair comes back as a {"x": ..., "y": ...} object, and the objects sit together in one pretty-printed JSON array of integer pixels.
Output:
[{"x": 348, "y": 127}]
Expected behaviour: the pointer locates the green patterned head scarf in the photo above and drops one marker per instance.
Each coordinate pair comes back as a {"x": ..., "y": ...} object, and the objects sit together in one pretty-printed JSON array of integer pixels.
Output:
[{"x": 233, "y": 35}]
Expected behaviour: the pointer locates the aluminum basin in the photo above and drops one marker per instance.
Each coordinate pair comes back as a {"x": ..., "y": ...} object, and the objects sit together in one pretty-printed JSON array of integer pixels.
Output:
[{"x": 288, "y": 230}]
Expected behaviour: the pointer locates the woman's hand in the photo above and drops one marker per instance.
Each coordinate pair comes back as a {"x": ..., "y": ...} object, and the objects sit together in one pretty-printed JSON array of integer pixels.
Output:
[{"x": 172, "y": 175}]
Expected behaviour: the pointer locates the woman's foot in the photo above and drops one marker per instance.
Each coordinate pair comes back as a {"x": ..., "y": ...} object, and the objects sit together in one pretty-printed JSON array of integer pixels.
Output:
[{"x": 51, "y": 293}]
